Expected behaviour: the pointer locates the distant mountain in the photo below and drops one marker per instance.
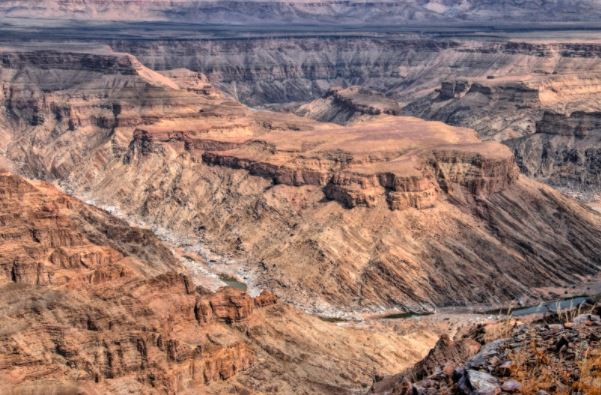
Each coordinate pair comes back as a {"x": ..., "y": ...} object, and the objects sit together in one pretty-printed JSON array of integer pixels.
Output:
[{"x": 309, "y": 11}]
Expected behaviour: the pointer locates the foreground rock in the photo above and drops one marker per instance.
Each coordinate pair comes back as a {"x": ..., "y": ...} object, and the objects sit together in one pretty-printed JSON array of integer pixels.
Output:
[{"x": 536, "y": 358}]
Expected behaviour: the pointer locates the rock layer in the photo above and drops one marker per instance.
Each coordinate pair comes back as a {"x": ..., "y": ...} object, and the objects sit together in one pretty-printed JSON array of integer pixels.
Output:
[{"x": 551, "y": 124}]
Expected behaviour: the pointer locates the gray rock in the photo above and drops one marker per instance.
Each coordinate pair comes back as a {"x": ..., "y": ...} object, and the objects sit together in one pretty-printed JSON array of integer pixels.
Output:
[
  {"x": 488, "y": 351},
  {"x": 584, "y": 318},
  {"x": 511, "y": 386},
  {"x": 481, "y": 383}
]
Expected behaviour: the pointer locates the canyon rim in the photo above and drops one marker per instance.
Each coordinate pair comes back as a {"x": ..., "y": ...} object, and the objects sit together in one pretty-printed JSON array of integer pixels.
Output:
[{"x": 300, "y": 197}]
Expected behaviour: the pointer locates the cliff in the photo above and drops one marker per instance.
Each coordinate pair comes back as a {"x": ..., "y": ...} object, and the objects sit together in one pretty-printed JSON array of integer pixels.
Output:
[
  {"x": 101, "y": 302},
  {"x": 550, "y": 123}
]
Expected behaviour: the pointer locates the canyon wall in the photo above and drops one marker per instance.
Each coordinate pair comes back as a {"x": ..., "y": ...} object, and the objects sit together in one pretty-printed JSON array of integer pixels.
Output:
[
  {"x": 276, "y": 69},
  {"x": 95, "y": 302},
  {"x": 92, "y": 305},
  {"x": 551, "y": 123}
]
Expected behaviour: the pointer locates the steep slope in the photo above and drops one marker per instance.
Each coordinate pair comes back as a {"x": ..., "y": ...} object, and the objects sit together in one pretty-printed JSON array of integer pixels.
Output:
[
  {"x": 91, "y": 305},
  {"x": 308, "y": 11},
  {"x": 86, "y": 299},
  {"x": 392, "y": 212}
]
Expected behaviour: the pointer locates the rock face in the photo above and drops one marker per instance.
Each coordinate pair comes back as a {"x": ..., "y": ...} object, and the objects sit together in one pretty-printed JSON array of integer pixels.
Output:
[
  {"x": 387, "y": 211},
  {"x": 551, "y": 124},
  {"x": 90, "y": 305},
  {"x": 100, "y": 302},
  {"x": 303, "y": 11}
]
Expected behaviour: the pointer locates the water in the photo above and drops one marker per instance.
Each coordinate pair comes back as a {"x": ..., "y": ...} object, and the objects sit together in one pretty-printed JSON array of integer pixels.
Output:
[
  {"x": 397, "y": 316},
  {"x": 232, "y": 282},
  {"x": 550, "y": 307}
]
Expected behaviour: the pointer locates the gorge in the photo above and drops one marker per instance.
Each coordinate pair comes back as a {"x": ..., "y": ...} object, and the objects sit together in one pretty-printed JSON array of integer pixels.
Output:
[{"x": 263, "y": 202}]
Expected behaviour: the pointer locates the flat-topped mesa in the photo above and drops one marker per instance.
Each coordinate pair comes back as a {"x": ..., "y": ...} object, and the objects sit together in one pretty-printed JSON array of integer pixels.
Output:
[{"x": 399, "y": 161}]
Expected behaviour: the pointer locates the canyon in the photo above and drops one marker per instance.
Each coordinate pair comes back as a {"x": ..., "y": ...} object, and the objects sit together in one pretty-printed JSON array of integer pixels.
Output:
[
  {"x": 104, "y": 307},
  {"x": 328, "y": 217},
  {"x": 288, "y": 209}
]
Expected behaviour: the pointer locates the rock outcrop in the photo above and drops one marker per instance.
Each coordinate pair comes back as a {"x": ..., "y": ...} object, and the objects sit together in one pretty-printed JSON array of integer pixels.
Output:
[{"x": 541, "y": 357}]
